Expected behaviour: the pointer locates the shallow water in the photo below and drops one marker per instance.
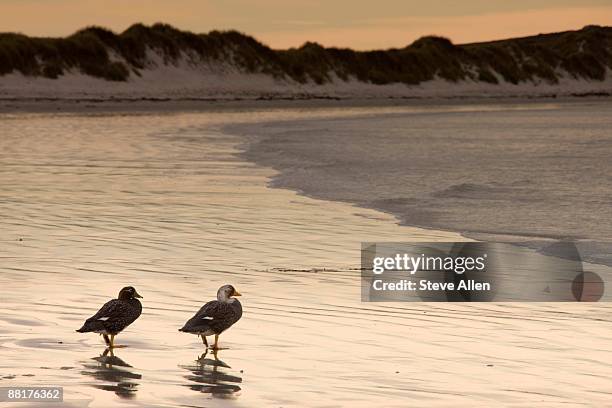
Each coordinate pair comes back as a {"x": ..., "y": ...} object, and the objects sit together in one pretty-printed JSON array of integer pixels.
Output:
[
  {"x": 91, "y": 203},
  {"x": 515, "y": 172}
]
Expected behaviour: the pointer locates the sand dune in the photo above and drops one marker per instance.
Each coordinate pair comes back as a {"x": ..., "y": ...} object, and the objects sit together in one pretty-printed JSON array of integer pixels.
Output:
[{"x": 163, "y": 62}]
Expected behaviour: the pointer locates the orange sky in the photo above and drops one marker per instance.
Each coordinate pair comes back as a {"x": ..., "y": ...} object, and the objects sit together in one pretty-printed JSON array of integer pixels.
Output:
[{"x": 282, "y": 24}]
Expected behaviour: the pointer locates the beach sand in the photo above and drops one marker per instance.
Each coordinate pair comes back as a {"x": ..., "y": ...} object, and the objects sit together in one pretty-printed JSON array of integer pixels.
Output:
[{"x": 165, "y": 202}]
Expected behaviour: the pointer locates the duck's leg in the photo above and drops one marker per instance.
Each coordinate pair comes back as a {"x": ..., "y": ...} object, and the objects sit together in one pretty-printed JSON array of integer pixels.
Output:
[
  {"x": 113, "y": 345},
  {"x": 216, "y": 345},
  {"x": 204, "y": 340},
  {"x": 106, "y": 340}
]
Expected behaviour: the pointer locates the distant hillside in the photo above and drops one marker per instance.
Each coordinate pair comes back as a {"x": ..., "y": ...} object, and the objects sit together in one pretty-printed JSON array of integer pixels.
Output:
[{"x": 546, "y": 59}]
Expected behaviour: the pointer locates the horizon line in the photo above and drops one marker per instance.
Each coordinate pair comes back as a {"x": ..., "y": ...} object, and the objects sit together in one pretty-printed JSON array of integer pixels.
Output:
[{"x": 160, "y": 23}]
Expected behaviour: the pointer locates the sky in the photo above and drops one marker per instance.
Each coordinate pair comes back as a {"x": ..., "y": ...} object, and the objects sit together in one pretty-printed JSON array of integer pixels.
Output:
[{"x": 358, "y": 24}]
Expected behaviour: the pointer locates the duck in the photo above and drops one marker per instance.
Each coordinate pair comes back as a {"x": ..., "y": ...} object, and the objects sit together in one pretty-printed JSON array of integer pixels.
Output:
[
  {"x": 115, "y": 316},
  {"x": 216, "y": 316}
]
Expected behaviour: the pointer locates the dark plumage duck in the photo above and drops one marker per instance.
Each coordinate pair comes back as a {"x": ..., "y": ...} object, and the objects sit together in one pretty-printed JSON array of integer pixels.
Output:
[
  {"x": 115, "y": 315},
  {"x": 216, "y": 316}
]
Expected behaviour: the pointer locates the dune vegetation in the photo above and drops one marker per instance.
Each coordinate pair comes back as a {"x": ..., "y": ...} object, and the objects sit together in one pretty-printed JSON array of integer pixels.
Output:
[{"x": 98, "y": 52}]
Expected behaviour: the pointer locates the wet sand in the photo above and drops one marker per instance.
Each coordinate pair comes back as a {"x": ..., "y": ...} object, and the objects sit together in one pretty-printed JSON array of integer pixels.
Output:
[{"x": 90, "y": 203}]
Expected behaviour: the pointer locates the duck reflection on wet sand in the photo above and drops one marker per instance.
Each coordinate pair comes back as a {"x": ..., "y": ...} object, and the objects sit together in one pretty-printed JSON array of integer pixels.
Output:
[
  {"x": 212, "y": 376},
  {"x": 114, "y": 373}
]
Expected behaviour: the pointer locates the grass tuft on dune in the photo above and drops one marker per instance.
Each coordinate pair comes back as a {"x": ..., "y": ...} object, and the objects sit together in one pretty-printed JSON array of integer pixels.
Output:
[{"x": 98, "y": 52}]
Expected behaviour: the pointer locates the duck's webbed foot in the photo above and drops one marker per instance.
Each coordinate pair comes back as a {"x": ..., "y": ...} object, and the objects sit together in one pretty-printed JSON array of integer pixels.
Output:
[{"x": 112, "y": 343}]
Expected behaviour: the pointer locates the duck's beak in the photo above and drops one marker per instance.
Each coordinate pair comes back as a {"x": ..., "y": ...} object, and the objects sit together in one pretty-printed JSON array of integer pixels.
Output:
[
  {"x": 136, "y": 295},
  {"x": 236, "y": 293}
]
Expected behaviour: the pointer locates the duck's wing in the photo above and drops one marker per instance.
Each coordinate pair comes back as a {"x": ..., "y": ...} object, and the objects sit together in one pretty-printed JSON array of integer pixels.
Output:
[
  {"x": 214, "y": 315},
  {"x": 112, "y": 311}
]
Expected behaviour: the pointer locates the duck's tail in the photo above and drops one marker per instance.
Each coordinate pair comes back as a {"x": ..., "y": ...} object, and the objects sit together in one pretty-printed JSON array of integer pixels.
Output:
[
  {"x": 91, "y": 326},
  {"x": 195, "y": 325}
]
